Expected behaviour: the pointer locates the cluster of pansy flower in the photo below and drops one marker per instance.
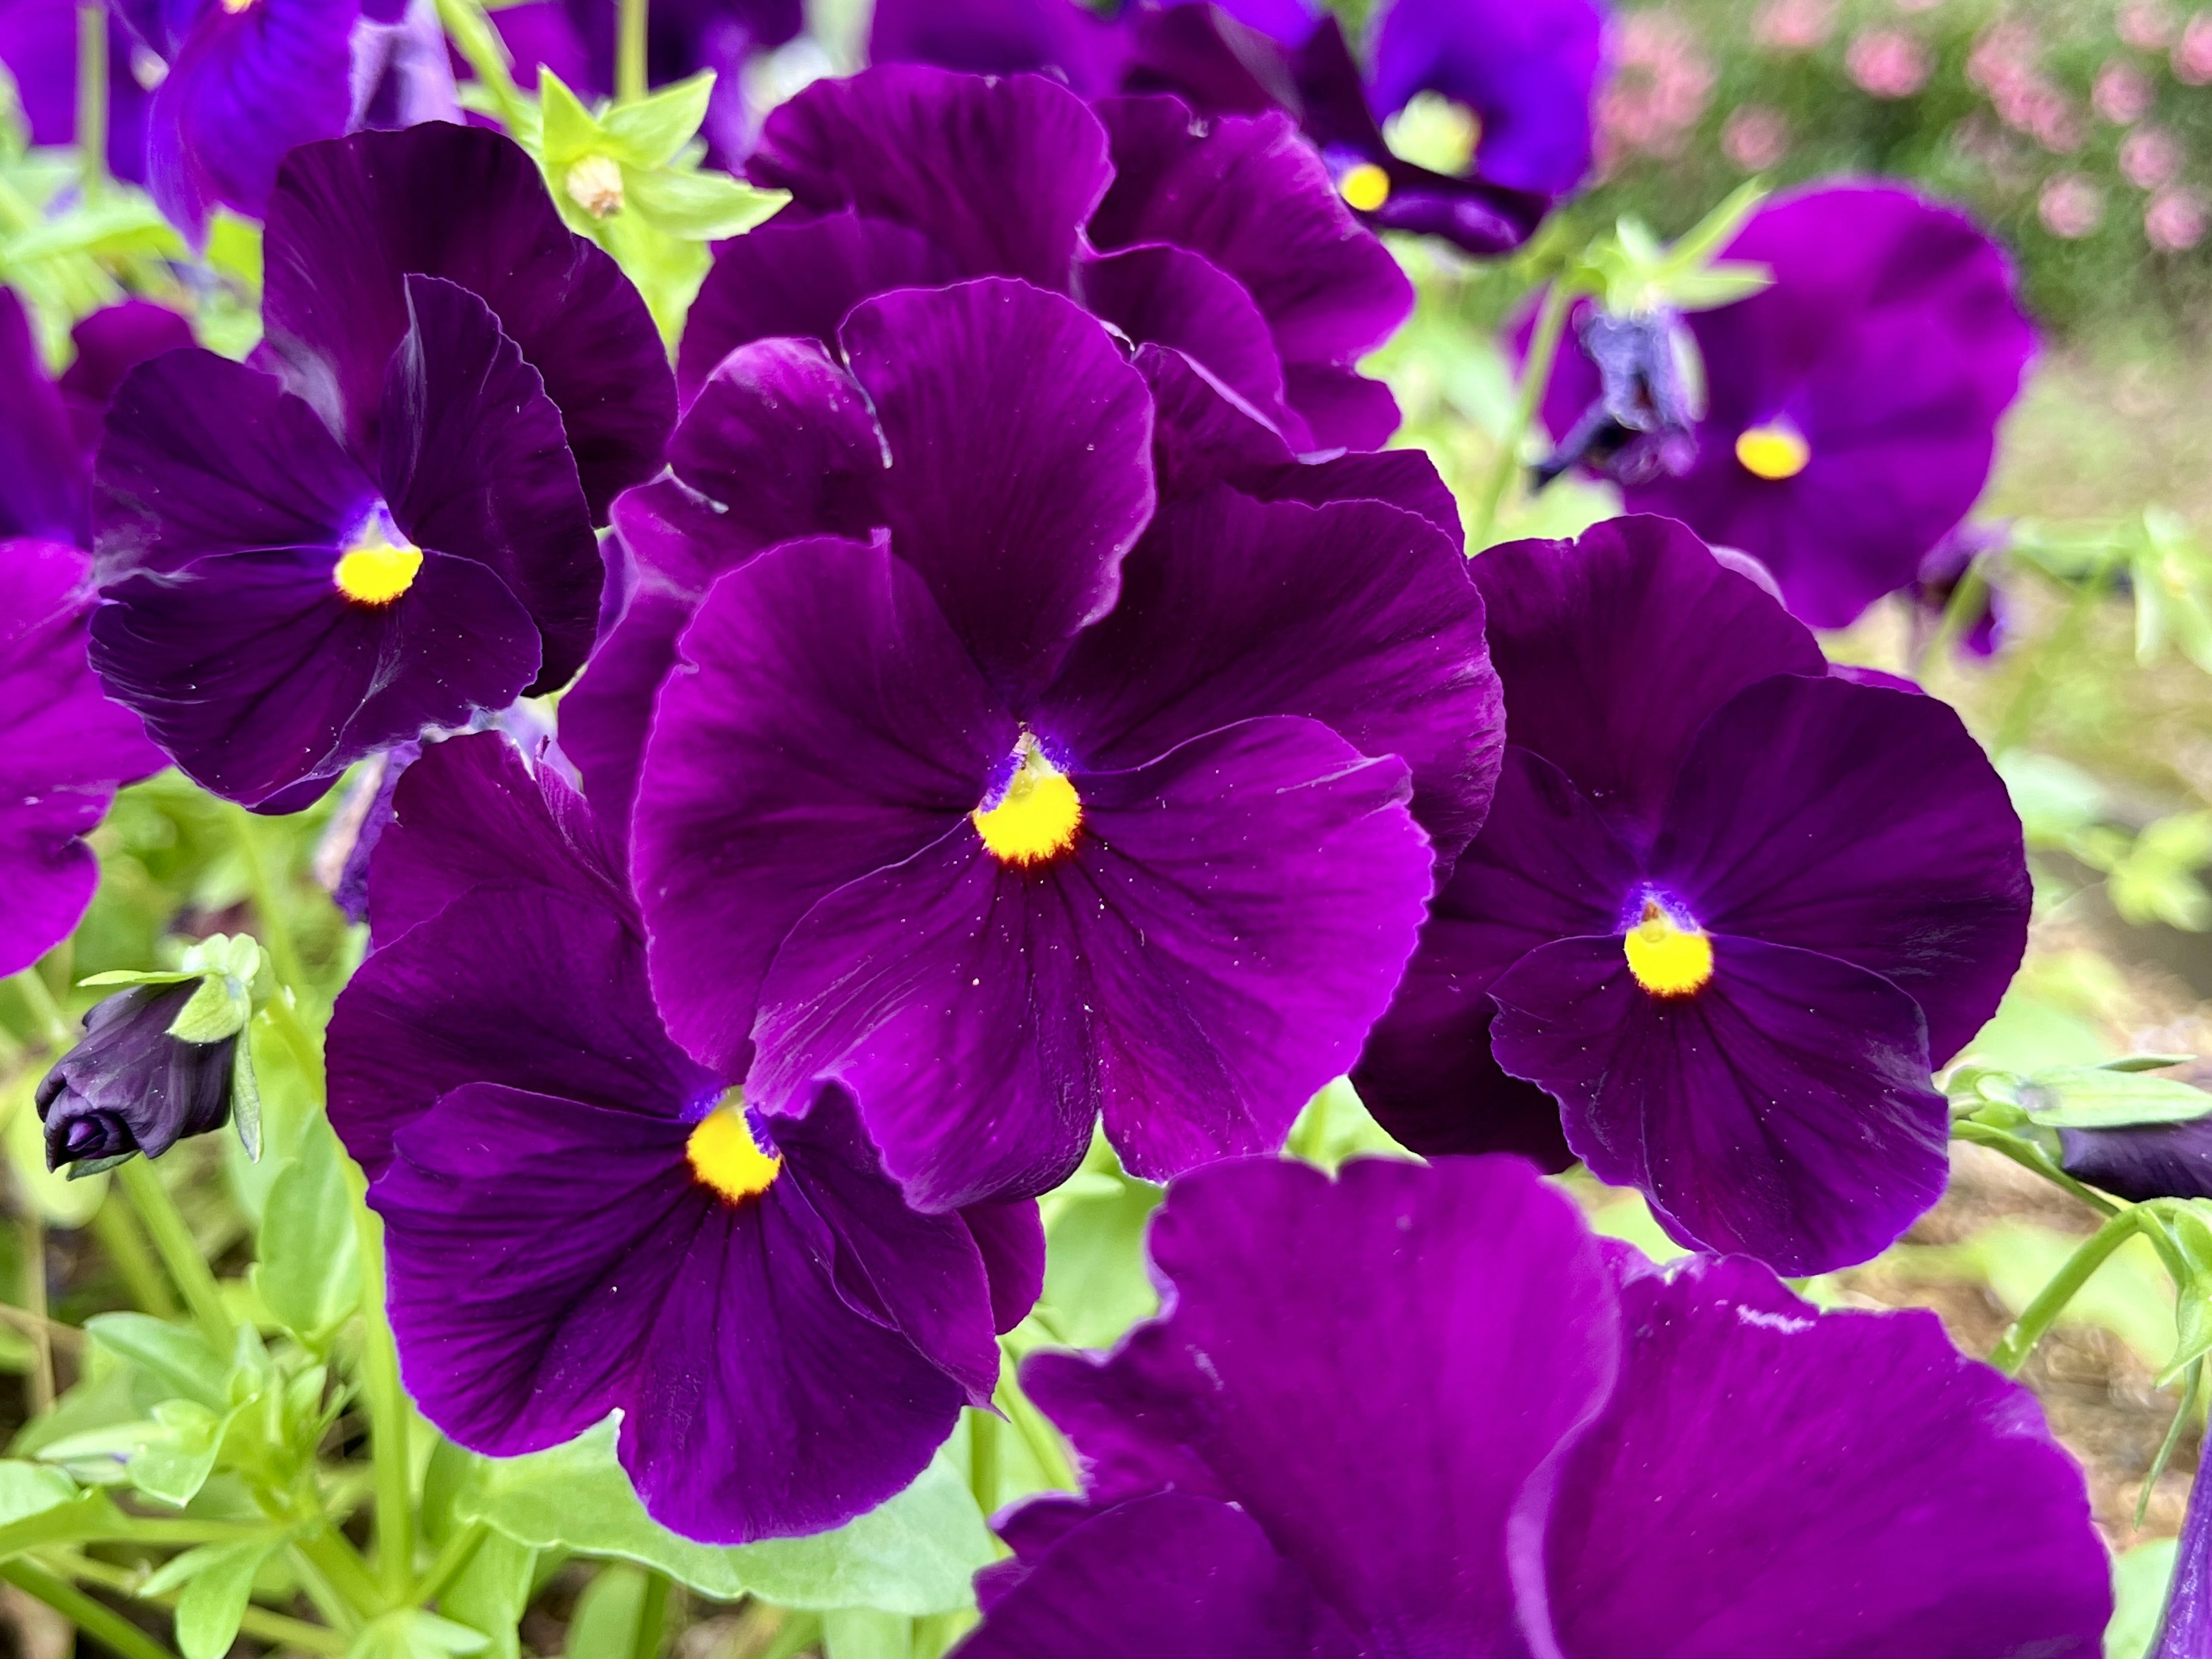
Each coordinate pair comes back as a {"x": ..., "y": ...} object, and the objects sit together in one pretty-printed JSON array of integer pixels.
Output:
[{"x": 1019, "y": 696}]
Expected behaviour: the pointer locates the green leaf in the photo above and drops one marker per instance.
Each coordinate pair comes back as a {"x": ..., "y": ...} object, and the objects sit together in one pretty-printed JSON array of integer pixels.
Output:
[
  {"x": 2098, "y": 1097},
  {"x": 29, "y": 1489},
  {"x": 567, "y": 132},
  {"x": 217, "y": 1580},
  {"x": 245, "y": 1095},
  {"x": 167, "y": 1455},
  {"x": 177, "y": 1354},
  {"x": 864, "y": 1633},
  {"x": 701, "y": 207},
  {"x": 1095, "y": 1283},
  {"x": 2139, "y": 1584},
  {"x": 491, "y": 1593},
  {"x": 411, "y": 1633},
  {"x": 650, "y": 132},
  {"x": 309, "y": 1271},
  {"x": 76, "y": 1522},
  {"x": 913, "y": 1554},
  {"x": 610, "y": 1615},
  {"x": 219, "y": 1009}
]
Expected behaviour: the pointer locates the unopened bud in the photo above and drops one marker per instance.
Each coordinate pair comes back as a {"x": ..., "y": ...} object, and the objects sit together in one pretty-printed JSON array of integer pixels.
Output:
[{"x": 131, "y": 1086}]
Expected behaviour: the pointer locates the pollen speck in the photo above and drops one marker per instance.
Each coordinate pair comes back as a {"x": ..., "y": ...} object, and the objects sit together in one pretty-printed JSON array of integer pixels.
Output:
[
  {"x": 1774, "y": 452},
  {"x": 379, "y": 565},
  {"x": 1667, "y": 959},
  {"x": 1036, "y": 817},
  {"x": 1365, "y": 187},
  {"x": 723, "y": 1155}
]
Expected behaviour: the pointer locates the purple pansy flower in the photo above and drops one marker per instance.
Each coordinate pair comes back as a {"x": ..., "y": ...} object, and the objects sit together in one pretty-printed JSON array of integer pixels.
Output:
[
  {"x": 998, "y": 790},
  {"x": 65, "y": 749},
  {"x": 1724, "y": 911},
  {"x": 1421, "y": 1410},
  {"x": 787, "y": 1340},
  {"x": 1851, "y": 407},
  {"x": 1223, "y": 239},
  {"x": 401, "y": 538},
  {"x": 38, "y": 44}
]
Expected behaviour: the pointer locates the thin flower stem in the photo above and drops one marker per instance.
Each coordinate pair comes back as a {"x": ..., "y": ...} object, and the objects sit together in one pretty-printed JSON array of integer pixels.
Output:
[
  {"x": 629, "y": 52},
  {"x": 453, "y": 1560},
  {"x": 276, "y": 936},
  {"x": 38, "y": 1380},
  {"x": 95, "y": 1619},
  {"x": 133, "y": 1259},
  {"x": 1536, "y": 380},
  {"x": 2182, "y": 1416},
  {"x": 984, "y": 1460},
  {"x": 342, "y": 1568},
  {"x": 2050, "y": 1301},
  {"x": 2031, "y": 1158},
  {"x": 179, "y": 1250},
  {"x": 473, "y": 36},
  {"x": 66, "y": 1336},
  {"x": 1958, "y": 616},
  {"x": 387, "y": 1416},
  {"x": 92, "y": 93},
  {"x": 53, "y": 1023},
  {"x": 651, "y": 1616}
]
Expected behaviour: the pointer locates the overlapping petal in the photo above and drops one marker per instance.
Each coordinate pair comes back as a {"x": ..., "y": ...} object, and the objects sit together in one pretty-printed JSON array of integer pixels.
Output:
[{"x": 43, "y": 487}]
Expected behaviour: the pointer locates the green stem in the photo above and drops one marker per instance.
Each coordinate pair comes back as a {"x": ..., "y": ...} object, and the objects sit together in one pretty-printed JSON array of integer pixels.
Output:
[
  {"x": 92, "y": 93},
  {"x": 1535, "y": 379},
  {"x": 629, "y": 52},
  {"x": 179, "y": 1250},
  {"x": 453, "y": 1560},
  {"x": 388, "y": 1416},
  {"x": 133, "y": 1259},
  {"x": 53, "y": 1023},
  {"x": 2182, "y": 1416},
  {"x": 275, "y": 937},
  {"x": 274, "y": 1627},
  {"x": 651, "y": 1616},
  {"x": 1036, "y": 1434},
  {"x": 2050, "y": 1301},
  {"x": 1958, "y": 616},
  {"x": 984, "y": 1460},
  {"x": 306, "y": 1052},
  {"x": 344, "y": 1569},
  {"x": 476, "y": 41},
  {"x": 95, "y": 1619},
  {"x": 38, "y": 1380},
  {"x": 2033, "y": 1158}
]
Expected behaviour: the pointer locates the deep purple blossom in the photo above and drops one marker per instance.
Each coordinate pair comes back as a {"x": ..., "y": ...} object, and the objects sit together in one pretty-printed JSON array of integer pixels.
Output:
[
  {"x": 1724, "y": 912},
  {"x": 1419, "y": 1410},
  {"x": 1004, "y": 790},
  {"x": 1851, "y": 407},
  {"x": 580, "y": 1219},
  {"x": 129, "y": 1087},
  {"x": 1221, "y": 238},
  {"x": 65, "y": 749},
  {"x": 38, "y": 44}
]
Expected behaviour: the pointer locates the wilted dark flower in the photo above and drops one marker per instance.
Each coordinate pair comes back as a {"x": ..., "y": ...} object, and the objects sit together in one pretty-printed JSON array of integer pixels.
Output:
[
  {"x": 1421, "y": 1411},
  {"x": 1650, "y": 398},
  {"x": 2142, "y": 1161},
  {"x": 130, "y": 1086}
]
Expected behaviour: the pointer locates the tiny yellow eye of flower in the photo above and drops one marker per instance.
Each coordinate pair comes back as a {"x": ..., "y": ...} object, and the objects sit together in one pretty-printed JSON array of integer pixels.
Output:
[
  {"x": 1035, "y": 819},
  {"x": 379, "y": 565},
  {"x": 1366, "y": 187},
  {"x": 1773, "y": 451},
  {"x": 1667, "y": 959},
  {"x": 723, "y": 1155},
  {"x": 595, "y": 185}
]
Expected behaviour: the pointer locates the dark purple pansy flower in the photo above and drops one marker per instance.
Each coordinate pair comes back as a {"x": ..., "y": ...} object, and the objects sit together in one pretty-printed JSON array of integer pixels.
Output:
[
  {"x": 1725, "y": 909},
  {"x": 110, "y": 343},
  {"x": 38, "y": 44},
  {"x": 1223, "y": 239},
  {"x": 1420, "y": 1411},
  {"x": 65, "y": 749},
  {"x": 787, "y": 1340},
  {"x": 1851, "y": 407},
  {"x": 995, "y": 793}
]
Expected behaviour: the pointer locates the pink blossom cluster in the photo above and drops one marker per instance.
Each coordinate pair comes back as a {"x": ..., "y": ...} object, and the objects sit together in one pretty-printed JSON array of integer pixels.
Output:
[{"x": 1662, "y": 80}]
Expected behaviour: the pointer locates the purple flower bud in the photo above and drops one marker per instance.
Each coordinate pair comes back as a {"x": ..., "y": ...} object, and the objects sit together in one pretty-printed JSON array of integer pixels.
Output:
[
  {"x": 130, "y": 1086},
  {"x": 1642, "y": 424},
  {"x": 2142, "y": 1160}
]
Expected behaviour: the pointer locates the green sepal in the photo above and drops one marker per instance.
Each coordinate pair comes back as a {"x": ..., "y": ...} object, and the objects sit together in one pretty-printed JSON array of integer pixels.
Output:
[{"x": 702, "y": 207}]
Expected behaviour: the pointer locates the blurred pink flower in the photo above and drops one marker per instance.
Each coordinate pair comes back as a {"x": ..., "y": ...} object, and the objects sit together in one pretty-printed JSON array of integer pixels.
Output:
[
  {"x": 1793, "y": 25},
  {"x": 2071, "y": 207},
  {"x": 1756, "y": 137},
  {"x": 2149, "y": 157},
  {"x": 2122, "y": 94},
  {"x": 1888, "y": 63},
  {"x": 1661, "y": 79},
  {"x": 2193, "y": 54},
  {"x": 2175, "y": 220},
  {"x": 2146, "y": 25},
  {"x": 1917, "y": 5}
]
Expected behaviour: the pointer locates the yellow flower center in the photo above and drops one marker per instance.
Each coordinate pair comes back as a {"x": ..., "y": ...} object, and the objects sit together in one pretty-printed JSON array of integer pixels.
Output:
[
  {"x": 723, "y": 1155},
  {"x": 379, "y": 565},
  {"x": 1774, "y": 451},
  {"x": 1667, "y": 959},
  {"x": 1036, "y": 817},
  {"x": 234, "y": 7},
  {"x": 1366, "y": 187}
]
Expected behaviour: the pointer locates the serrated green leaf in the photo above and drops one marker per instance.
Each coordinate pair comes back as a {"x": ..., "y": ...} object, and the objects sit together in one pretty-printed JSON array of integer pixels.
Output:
[
  {"x": 915, "y": 1553},
  {"x": 651, "y": 131},
  {"x": 411, "y": 1633},
  {"x": 702, "y": 207},
  {"x": 2097, "y": 1098},
  {"x": 178, "y": 1355},
  {"x": 308, "y": 1274}
]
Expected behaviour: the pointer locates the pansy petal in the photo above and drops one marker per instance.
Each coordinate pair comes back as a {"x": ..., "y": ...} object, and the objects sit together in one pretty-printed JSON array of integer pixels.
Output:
[
  {"x": 349, "y": 219},
  {"x": 1459, "y": 1314},
  {"x": 1929, "y": 1509},
  {"x": 1615, "y": 648},
  {"x": 1021, "y": 461},
  {"x": 1353, "y": 614},
  {"x": 1001, "y": 175},
  {"x": 1341, "y": 407},
  {"x": 1879, "y": 832},
  {"x": 1782, "y": 1110},
  {"x": 534, "y": 989},
  {"x": 63, "y": 749},
  {"x": 827, "y": 725},
  {"x": 607, "y": 715},
  {"x": 1000, "y": 37},
  {"x": 42, "y": 477},
  {"x": 1011, "y": 1237},
  {"x": 1545, "y": 868},
  {"x": 1230, "y": 921},
  {"x": 476, "y": 465},
  {"x": 247, "y": 85},
  {"x": 797, "y": 279},
  {"x": 1171, "y": 1577},
  {"x": 110, "y": 343},
  {"x": 256, "y": 673}
]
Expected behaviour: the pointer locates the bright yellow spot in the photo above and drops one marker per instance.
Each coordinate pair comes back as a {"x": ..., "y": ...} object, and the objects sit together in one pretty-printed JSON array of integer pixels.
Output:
[
  {"x": 1366, "y": 187},
  {"x": 1037, "y": 817},
  {"x": 1668, "y": 960},
  {"x": 725, "y": 1156},
  {"x": 1773, "y": 451},
  {"x": 380, "y": 566},
  {"x": 234, "y": 7},
  {"x": 595, "y": 185}
]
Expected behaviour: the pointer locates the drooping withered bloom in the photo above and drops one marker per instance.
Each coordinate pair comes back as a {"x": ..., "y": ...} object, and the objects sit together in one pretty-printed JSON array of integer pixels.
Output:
[
  {"x": 1726, "y": 910},
  {"x": 1221, "y": 238},
  {"x": 1641, "y": 423},
  {"x": 393, "y": 533},
  {"x": 1421, "y": 1410},
  {"x": 1519, "y": 75},
  {"x": 1007, "y": 786},
  {"x": 65, "y": 749},
  {"x": 1851, "y": 407},
  {"x": 580, "y": 1219}
]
